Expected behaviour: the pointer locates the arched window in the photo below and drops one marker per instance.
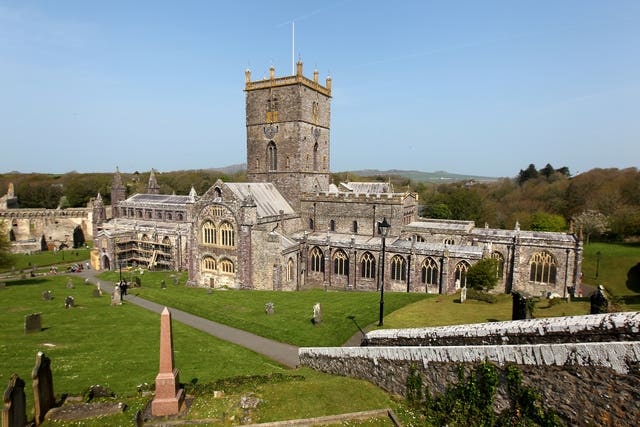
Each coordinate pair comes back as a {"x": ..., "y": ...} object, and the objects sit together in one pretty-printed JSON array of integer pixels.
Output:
[
  {"x": 368, "y": 266},
  {"x": 218, "y": 193},
  {"x": 180, "y": 217},
  {"x": 208, "y": 263},
  {"x": 169, "y": 216},
  {"x": 226, "y": 266},
  {"x": 227, "y": 234},
  {"x": 398, "y": 268},
  {"x": 209, "y": 233},
  {"x": 166, "y": 240},
  {"x": 543, "y": 268},
  {"x": 272, "y": 156},
  {"x": 340, "y": 263},
  {"x": 317, "y": 260},
  {"x": 290, "y": 270},
  {"x": 430, "y": 272},
  {"x": 461, "y": 273},
  {"x": 355, "y": 226},
  {"x": 419, "y": 238},
  {"x": 315, "y": 157},
  {"x": 499, "y": 264},
  {"x": 449, "y": 242},
  {"x": 159, "y": 214},
  {"x": 332, "y": 225},
  {"x": 310, "y": 223},
  {"x": 149, "y": 214}
]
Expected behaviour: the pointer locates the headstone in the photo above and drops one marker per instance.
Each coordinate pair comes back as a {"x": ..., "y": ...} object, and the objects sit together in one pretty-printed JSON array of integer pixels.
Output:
[
  {"x": 169, "y": 397},
  {"x": 69, "y": 302},
  {"x": 32, "y": 323},
  {"x": 43, "y": 397},
  {"x": 520, "y": 309},
  {"x": 70, "y": 284},
  {"x": 463, "y": 294},
  {"x": 269, "y": 308},
  {"x": 14, "y": 408},
  {"x": 175, "y": 281},
  {"x": 97, "y": 293},
  {"x": 163, "y": 285},
  {"x": 116, "y": 296},
  {"x": 86, "y": 281},
  {"x": 209, "y": 291},
  {"x": 599, "y": 302},
  {"x": 47, "y": 295},
  {"x": 139, "y": 418},
  {"x": 317, "y": 313}
]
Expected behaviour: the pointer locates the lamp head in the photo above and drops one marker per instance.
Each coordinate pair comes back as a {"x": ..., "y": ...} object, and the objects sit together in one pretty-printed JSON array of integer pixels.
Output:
[{"x": 383, "y": 227}]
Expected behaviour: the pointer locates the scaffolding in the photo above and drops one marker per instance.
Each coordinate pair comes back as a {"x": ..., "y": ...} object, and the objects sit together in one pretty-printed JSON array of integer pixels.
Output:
[{"x": 132, "y": 252}]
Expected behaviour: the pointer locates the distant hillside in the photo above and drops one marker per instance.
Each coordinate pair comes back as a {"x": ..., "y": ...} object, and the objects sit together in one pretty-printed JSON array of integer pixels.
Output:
[
  {"x": 231, "y": 169},
  {"x": 418, "y": 176}
]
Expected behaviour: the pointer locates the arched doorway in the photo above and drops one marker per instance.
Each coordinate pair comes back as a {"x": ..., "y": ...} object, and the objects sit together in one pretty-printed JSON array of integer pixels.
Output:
[{"x": 106, "y": 265}]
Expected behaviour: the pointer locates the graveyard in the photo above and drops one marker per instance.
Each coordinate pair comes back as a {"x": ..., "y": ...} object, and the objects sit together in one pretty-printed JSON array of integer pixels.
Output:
[{"x": 92, "y": 342}]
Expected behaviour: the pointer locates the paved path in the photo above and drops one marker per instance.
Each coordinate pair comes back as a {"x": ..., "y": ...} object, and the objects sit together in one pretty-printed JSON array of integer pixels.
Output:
[{"x": 280, "y": 352}]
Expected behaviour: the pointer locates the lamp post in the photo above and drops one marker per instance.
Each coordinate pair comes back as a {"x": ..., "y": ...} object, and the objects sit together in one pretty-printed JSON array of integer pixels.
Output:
[
  {"x": 383, "y": 229},
  {"x": 598, "y": 254}
]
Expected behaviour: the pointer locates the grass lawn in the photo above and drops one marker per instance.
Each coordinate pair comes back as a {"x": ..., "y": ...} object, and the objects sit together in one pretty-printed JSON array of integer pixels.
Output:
[
  {"x": 47, "y": 258},
  {"x": 342, "y": 312}
]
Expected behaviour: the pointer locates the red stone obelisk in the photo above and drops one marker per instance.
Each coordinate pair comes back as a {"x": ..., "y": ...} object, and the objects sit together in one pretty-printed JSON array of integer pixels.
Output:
[{"x": 169, "y": 398}]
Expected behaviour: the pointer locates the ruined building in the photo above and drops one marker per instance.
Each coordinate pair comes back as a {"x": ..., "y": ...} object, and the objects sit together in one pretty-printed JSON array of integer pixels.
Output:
[{"x": 289, "y": 228}]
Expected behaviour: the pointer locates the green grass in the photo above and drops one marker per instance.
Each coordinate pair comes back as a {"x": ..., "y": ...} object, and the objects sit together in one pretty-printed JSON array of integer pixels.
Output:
[
  {"x": 616, "y": 259},
  {"x": 47, "y": 258},
  {"x": 342, "y": 312}
]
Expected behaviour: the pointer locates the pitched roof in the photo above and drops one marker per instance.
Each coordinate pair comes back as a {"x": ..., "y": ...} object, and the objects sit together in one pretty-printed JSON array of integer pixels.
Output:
[{"x": 268, "y": 200}]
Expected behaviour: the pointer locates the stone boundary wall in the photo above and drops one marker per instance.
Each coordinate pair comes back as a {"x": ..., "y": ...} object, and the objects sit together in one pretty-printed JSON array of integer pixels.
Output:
[
  {"x": 590, "y": 383},
  {"x": 570, "y": 329}
]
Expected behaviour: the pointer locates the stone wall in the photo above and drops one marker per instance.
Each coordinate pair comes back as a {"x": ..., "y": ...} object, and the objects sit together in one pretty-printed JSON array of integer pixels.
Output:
[
  {"x": 570, "y": 329},
  {"x": 586, "y": 384}
]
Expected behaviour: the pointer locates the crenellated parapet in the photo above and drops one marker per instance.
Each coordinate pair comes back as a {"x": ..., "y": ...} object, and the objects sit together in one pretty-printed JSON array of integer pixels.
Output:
[
  {"x": 45, "y": 213},
  {"x": 298, "y": 78},
  {"x": 344, "y": 196}
]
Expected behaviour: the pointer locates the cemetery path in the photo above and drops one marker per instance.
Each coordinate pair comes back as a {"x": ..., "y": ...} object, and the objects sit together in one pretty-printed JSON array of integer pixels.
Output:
[{"x": 286, "y": 354}]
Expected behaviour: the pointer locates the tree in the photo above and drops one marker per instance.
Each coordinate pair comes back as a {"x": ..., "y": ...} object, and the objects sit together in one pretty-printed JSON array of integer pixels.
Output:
[
  {"x": 483, "y": 275},
  {"x": 591, "y": 223},
  {"x": 530, "y": 173},
  {"x": 542, "y": 221},
  {"x": 547, "y": 171},
  {"x": 5, "y": 247}
]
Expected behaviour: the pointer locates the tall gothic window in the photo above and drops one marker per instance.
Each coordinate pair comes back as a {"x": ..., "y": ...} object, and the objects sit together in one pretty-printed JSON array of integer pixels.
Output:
[
  {"x": 340, "y": 263},
  {"x": 332, "y": 225},
  {"x": 461, "y": 273},
  {"x": 209, "y": 233},
  {"x": 368, "y": 266},
  {"x": 316, "y": 161},
  {"x": 272, "y": 156},
  {"x": 430, "y": 272},
  {"x": 317, "y": 260},
  {"x": 543, "y": 268},
  {"x": 227, "y": 234},
  {"x": 290, "y": 270},
  {"x": 208, "y": 263},
  {"x": 355, "y": 226},
  {"x": 499, "y": 264},
  {"x": 398, "y": 268}
]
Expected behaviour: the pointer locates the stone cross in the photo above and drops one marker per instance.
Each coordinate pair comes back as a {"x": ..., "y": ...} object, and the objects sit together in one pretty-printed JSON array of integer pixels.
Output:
[
  {"x": 169, "y": 397},
  {"x": 14, "y": 408},
  {"x": 43, "y": 397}
]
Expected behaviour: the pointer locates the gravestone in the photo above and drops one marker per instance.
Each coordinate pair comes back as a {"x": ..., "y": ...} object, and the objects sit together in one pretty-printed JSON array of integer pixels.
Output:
[
  {"x": 97, "y": 293},
  {"x": 269, "y": 308},
  {"x": 32, "y": 323},
  {"x": 520, "y": 309},
  {"x": 70, "y": 284},
  {"x": 116, "y": 296},
  {"x": 175, "y": 281},
  {"x": 317, "y": 314},
  {"x": 69, "y": 302},
  {"x": 209, "y": 291},
  {"x": 169, "y": 398},
  {"x": 463, "y": 294},
  {"x": 47, "y": 295},
  {"x": 599, "y": 302},
  {"x": 163, "y": 285},
  {"x": 86, "y": 281},
  {"x": 14, "y": 408},
  {"x": 43, "y": 397}
]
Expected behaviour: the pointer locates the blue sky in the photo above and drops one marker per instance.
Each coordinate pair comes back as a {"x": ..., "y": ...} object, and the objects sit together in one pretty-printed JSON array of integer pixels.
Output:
[{"x": 474, "y": 87}]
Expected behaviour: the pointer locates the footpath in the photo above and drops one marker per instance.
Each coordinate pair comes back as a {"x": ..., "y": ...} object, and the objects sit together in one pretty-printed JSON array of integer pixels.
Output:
[{"x": 285, "y": 354}]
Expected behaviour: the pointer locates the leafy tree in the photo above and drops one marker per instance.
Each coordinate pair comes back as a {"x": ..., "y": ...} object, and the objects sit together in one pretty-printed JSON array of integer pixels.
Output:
[
  {"x": 439, "y": 211},
  {"x": 483, "y": 275},
  {"x": 6, "y": 257},
  {"x": 564, "y": 171},
  {"x": 64, "y": 202},
  {"x": 547, "y": 171},
  {"x": 525, "y": 175},
  {"x": 592, "y": 223},
  {"x": 542, "y": 221}
]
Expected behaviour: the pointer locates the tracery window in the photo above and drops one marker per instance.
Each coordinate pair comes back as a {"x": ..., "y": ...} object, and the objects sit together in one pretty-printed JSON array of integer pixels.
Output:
[
  {"x": 499, "y": 264},
  {"x": 543, "y": 268},
  {"x": 227, "y": 234},
  {"x": 290, "y": 270},
  {"x": 449, "y": 242},
  {"x": 226, "y": 266},
  {"x": 208, "y": 263},
  {"x": 368, "y": 266},
  {"x": 272, "y": 109},
  {"x": 430, "y": 272},
  {"x": 272, "y": 156},
  {"x": 317, "y": 260},
  {"x": 419, "y": 238},
  {"x": 209, "y": 233},
  {"x": 340, "y": 263},
  {"x": 398, "y": 268},
  {"x": 461, "y": 273}
]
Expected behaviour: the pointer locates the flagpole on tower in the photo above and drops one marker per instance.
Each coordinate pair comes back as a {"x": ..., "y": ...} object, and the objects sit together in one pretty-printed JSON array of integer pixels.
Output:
[{"x": 293, "y": 48}]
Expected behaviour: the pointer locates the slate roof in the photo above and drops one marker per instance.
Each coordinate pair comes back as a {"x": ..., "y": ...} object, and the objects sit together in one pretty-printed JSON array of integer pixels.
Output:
[
  {"x": 158, "y": 199},
  {"x": 266, "y": 196},
  {"x": 367, "y": 187},
  {"x": 443, "y": 225}
]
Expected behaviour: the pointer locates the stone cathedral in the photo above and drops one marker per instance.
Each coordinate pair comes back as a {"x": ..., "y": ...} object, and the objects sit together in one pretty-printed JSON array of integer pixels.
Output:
[{"x": 290, "y": 228}]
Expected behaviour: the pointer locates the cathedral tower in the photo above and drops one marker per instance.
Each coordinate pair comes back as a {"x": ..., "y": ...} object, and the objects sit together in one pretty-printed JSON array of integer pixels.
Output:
[
  {"x": 118, "y": 193},
  {"x": 288, "y": 122}
]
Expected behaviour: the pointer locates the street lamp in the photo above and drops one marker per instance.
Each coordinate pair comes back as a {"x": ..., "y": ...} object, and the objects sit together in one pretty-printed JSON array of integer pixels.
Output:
[
  {"x": 598, "y": 254},
  {"x": 383, "y": 229}
]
